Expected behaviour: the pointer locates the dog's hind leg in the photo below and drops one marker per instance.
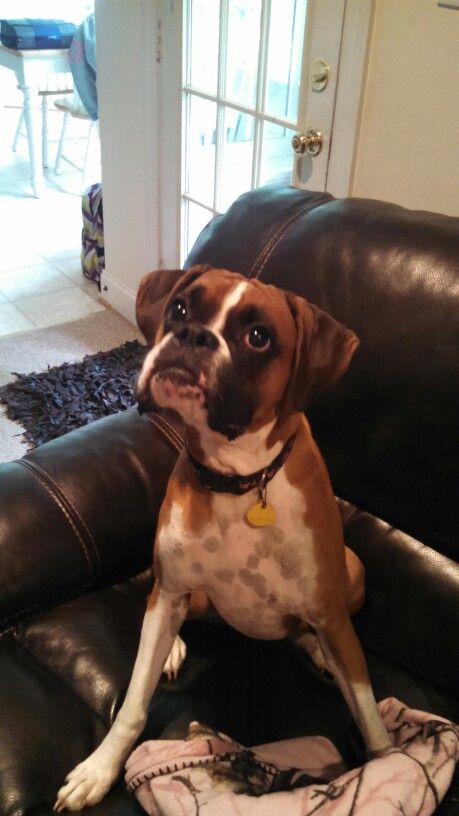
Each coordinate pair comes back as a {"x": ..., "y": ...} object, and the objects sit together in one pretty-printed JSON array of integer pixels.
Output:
[
  {"x": 306, "y": 637},
  {"x": 175, "y": 659},
  {"x": 346, "y": 662},
  {"x": 199, "y": 605},
  {"x": 88, "y": 783}
]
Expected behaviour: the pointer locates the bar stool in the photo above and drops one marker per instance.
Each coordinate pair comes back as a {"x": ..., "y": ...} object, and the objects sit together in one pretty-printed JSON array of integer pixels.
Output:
[
  {"x": 56, "y": 84},
  {"x": 71, "y": 106}
]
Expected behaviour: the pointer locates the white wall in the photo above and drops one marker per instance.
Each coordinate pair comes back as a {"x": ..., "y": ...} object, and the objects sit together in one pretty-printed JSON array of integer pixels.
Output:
[
  {"x": 127, "y": 93},
  {"x": 141, "y": 185},
  {"x": 408, "y": 149}
]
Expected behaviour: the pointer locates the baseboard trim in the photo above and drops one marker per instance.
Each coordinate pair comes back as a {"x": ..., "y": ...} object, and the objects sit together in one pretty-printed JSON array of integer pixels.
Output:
[{"x": 118, "y": 296}]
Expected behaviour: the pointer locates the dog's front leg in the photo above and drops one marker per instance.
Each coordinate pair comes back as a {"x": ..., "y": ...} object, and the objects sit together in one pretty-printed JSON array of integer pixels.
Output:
[
  {"x": 89, "y": 782},
  {"x": 345, "y": 660}
]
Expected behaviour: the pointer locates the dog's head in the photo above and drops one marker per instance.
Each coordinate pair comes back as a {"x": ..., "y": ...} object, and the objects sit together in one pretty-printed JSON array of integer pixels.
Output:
[{"x": 233, "y": 354}]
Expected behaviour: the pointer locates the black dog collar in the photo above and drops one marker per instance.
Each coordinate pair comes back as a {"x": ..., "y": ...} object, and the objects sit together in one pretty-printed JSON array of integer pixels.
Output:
[{"x": 221, "y": 483}]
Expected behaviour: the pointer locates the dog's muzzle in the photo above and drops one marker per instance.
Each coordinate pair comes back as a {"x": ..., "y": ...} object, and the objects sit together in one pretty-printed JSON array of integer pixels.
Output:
[
  {"x": 185, "y": 360},
  {"x": 196, "y": 336}
]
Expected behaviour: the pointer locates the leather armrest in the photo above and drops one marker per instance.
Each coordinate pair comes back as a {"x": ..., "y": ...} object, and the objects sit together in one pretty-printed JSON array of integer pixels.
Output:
[
  {"x": 81, "y": 510},
  {"x": 411, "y": 613}
]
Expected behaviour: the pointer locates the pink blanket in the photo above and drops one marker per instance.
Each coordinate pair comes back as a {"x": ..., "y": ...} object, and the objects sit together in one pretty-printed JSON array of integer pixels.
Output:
[{"x": 209, "y": 774}]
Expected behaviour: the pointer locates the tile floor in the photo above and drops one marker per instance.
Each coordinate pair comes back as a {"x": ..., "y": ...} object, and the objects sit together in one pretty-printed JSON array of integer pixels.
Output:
[
  {"x": 41, "y": 283},
  {"x": 49, "y": 313}
]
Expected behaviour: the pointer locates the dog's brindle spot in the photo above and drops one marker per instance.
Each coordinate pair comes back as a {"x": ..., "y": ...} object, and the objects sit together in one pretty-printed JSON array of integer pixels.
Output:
[
  {"x": 289, "y": 562},
  {"x": 262, "y": 548},
  {"x": 211, "y": 544},
  {"x": 265, "y": 546},
  {"x": 225, "y": 575},
  {"x": 253, "y": 561},
  {"x": 197, "y": 567},
  {"x": 271, "y": 599},
  {"x": 276, "y": 535},
  {"x": 254, "y": 580}
]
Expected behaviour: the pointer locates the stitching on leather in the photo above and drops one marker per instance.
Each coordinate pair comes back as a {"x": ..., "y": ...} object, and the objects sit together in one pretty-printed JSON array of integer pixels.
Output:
[
  {"x": 179, "y": 438},
  {"x": 62, "y": 507},
  {"x": 66, "y": 501},
  {"x": 168, "y": 427},
  {"x": 275, "y": 239},
  {"x": 168, "y": 431},
  {"x": 273, "y": 242},
  {"x": 170, "y": 438}
]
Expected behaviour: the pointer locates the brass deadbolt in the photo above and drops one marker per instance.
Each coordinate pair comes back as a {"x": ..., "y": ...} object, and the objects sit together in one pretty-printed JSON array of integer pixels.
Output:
[{"x": 320, "y": 73}]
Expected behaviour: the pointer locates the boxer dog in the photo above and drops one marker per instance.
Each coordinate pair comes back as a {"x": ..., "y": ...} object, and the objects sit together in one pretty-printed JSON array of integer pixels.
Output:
[{"x": 249, "y": 519}]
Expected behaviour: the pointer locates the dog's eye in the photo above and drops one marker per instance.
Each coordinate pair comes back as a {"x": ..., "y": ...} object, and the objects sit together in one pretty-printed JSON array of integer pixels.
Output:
[
  {"x": 177, "y": 310},
  {"x": 258, "y": 338}
]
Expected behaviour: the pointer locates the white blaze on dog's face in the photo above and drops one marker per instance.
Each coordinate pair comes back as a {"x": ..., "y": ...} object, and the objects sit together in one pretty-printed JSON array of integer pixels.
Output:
[
  {"x": 223, "y": 353},
  {"x": 232, "y": 354}
]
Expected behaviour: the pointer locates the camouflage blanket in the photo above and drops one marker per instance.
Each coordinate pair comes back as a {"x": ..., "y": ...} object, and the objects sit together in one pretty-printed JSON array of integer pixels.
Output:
[{"x": 208, "y": 774}]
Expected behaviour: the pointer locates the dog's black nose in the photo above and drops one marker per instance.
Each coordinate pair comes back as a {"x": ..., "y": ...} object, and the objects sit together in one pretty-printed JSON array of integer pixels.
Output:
[{"x": 196, "y": 336}]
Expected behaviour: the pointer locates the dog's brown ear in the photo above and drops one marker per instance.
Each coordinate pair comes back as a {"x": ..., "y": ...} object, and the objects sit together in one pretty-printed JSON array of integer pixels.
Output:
[
  {"x": 154, "y": 292},
  {"x": 324, "y": 349}
]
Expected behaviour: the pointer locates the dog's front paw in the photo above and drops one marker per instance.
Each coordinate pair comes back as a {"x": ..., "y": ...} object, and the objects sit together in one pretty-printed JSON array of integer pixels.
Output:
[
  {"x": 176, "y": 658},
  {"x": 87, "y": 784}
]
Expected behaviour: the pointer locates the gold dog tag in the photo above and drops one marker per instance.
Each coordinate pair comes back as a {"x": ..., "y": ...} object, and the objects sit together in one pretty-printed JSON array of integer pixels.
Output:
[{"x": 261, "y": 516}]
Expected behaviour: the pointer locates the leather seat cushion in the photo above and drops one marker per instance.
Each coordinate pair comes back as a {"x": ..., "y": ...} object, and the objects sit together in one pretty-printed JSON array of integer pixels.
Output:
[{"x": 71, "y": 666}]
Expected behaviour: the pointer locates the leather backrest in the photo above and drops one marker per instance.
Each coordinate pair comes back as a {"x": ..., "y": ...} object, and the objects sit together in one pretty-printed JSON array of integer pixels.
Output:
[{"x": 387, "y": 431}]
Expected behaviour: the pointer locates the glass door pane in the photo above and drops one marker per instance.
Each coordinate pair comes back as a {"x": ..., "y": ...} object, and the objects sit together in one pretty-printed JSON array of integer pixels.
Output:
[
  {"x": 237, "y": 157},
  {"x": 243, "y": 62},
  {"x": 276, "y": 154},
  {"x": 284, "y": 57},
  {"x": 242, "y": 51},
  {"x": 201, "y": 129},
  {"x": 202, "y": 44},
  {"x": 195, "y": 218}
]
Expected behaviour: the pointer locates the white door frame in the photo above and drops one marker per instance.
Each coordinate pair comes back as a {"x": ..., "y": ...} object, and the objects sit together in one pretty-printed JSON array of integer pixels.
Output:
[
  {"x": 355, "y": 46},
  {"x": 139, "y": 65}
]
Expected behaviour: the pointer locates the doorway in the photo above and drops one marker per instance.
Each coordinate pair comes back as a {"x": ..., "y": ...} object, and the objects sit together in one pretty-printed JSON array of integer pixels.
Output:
[
  {"x": 41, "y": 281},
  {"x": 252, "y": 81},
  {"x": 185, "y": 132}
]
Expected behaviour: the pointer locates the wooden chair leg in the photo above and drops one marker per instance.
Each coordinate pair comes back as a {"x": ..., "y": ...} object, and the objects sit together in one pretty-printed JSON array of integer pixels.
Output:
[
  {"x": 18, "y": 133},
  {"x": 44, "y": 130},
  {"x": 60, "y": 149},
  {"x": 85, "y": 161}
]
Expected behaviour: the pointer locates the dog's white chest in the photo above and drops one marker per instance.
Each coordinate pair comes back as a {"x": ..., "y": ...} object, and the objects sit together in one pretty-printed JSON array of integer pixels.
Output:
[{"x": 259, "y": 579}]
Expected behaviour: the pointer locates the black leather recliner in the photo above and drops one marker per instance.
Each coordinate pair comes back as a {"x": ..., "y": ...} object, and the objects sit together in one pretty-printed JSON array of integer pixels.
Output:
[{"x": 78, "y": 515}]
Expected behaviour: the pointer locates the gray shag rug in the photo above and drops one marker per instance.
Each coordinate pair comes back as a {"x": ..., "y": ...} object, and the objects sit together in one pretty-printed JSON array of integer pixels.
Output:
[{"x": 65, "y": 397}]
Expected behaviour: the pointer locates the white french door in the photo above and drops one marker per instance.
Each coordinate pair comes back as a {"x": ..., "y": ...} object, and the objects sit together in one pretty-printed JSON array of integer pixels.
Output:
[
  {"x": 250, "y": 83},
  {"x": 199, "y": 100}
]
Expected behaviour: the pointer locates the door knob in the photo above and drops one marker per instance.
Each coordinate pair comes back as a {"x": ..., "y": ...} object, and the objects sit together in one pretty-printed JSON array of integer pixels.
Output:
[{"x": 310, "y": 142}]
